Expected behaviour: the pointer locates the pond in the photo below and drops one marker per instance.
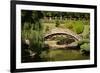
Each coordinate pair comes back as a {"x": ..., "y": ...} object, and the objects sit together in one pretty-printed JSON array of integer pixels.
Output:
[
  {"x": 63, "y": 55},
  {"x": 58, "y": 55},
  {"x": 57, "y": 52}
]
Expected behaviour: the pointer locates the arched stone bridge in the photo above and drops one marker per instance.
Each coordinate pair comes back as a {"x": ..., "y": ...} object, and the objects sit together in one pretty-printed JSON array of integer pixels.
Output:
[{"x": 61, "y": 31}]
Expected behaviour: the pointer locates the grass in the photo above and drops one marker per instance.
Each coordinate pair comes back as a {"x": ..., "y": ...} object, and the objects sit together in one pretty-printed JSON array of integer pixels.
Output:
[
  {"x": 49, "y": 26},
  {"x": 76, "y": 26}
]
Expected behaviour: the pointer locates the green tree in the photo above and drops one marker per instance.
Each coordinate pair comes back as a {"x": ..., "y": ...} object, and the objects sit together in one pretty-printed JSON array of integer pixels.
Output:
[
  {"x": 32, "y": 30},
  {"x": 31, "y": 17}
]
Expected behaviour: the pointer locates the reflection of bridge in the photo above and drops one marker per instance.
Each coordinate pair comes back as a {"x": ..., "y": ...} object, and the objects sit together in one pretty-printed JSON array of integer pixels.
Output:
[{"x": 60, "y": 31}]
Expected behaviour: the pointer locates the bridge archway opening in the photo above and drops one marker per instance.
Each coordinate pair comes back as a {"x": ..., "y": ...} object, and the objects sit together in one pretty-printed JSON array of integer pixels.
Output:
[{"x": 60, "y": 39}]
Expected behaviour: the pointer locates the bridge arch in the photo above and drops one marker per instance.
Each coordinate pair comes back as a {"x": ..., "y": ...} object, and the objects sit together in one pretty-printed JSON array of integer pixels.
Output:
[
  {"x": 60, "y": 31},
  {"x": 49, "y": 36}
]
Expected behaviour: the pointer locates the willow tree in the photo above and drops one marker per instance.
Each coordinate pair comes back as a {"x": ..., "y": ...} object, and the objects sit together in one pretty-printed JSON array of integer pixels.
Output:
[{"x": 31, "y": 29}]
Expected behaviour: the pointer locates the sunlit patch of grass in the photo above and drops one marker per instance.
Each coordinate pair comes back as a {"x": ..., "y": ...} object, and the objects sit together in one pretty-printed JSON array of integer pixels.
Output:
[{"x": 76, "y": 26}]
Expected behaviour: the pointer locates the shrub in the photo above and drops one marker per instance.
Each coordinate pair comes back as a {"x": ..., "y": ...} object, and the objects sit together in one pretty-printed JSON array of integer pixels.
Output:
[
  {"x": 85, "y": 49},
  {"x": 70, "y": 26},
  {"x": 85, "y": 46},
  {"x": 65, "y": 41},
  {"x": 57, "y": 23},
  {"x": 86, "y": 33},
  {"x": 78, "y": 27},
  {"x": 37, "y": 41},
  {"x": 47, "y": 28},
  {"x": 83, "y": 41}
]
